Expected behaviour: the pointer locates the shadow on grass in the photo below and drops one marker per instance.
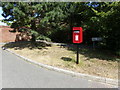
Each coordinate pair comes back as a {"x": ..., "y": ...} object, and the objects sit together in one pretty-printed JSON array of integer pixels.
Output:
[
  {"x": 97, "y": 53},
  {"x": 88, "y": 52},
  {"x": 66, "y": 58},
  {"x": 26, "y": 44}
]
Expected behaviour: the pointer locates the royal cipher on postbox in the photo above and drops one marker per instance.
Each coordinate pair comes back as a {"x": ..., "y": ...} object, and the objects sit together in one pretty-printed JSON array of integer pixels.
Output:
[{"x": 77, "y": 35}]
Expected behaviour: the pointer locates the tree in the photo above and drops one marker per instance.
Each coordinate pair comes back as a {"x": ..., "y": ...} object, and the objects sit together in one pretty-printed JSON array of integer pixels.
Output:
[
  {"x": 43, "y": 18},
  {"x": 56, "y": 19},
  {"x": 106, "y": 24},
  {"x": 21, "y": 15},
  {"x": 112, "y": 21}
]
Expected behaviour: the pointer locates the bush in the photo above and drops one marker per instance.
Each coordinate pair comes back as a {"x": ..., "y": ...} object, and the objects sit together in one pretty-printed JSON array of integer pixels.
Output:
[
  {"x": 61, "y": 36},
  {"x": 118, "y": 52},
  {"x": 42, "y": 37}
]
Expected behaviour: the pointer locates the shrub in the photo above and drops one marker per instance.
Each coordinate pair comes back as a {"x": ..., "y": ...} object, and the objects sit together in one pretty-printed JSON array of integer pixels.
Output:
[{"x": 42, "y": 37}]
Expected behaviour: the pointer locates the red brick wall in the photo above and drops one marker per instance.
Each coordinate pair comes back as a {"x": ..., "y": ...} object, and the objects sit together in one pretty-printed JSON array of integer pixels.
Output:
[{"x": 5, "y": 35}]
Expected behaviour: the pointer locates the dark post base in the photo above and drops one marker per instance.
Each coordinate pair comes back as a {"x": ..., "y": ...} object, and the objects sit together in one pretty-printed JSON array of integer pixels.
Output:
[{"x": 77, "y": 62}]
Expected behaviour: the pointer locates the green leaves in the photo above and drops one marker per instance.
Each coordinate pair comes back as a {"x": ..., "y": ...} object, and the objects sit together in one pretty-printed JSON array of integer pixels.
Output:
[
  {"x": 42, "y": 37},
  {"x": 33, "y": 32},
  {"x": 101, "y": 19}
]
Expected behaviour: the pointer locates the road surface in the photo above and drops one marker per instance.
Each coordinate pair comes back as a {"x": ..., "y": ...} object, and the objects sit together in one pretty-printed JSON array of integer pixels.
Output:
[{"x": 17, "y": 73}]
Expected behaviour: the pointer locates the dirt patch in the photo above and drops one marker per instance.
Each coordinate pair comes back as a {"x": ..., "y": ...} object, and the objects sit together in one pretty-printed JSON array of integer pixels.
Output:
[{"x": 64, "y": 58}]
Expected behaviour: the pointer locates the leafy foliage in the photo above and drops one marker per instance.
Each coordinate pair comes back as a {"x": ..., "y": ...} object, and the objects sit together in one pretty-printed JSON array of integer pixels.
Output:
[
  {"x": 55, "y": 20},
  {"x": 42, "y": 37}
]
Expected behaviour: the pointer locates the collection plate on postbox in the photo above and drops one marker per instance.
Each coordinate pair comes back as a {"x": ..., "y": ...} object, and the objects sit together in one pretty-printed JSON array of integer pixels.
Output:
[{"x": 77, "y": 35}]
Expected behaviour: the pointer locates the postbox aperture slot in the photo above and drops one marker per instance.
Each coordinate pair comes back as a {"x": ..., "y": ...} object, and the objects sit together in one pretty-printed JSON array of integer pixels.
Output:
[{"x": 76, "y": 31}]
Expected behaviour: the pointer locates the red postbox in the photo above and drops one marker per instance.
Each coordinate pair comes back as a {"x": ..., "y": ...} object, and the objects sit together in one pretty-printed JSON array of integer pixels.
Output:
[{"x": 77, "y": 35}]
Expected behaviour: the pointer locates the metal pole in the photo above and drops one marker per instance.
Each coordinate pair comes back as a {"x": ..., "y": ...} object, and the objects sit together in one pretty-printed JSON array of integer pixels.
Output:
[{"x": 77, "y": 62}]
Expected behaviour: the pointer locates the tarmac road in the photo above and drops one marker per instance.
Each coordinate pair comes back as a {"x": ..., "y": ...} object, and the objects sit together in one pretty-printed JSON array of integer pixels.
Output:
[{"x": 17, "y": 73}]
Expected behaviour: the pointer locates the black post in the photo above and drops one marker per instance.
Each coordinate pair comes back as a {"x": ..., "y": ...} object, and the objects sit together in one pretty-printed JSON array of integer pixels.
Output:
[{"x": 77, "y": 62}]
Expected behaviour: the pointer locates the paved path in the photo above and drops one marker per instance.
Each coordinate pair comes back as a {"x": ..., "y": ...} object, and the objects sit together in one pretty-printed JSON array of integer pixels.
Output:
[{"x": 17, "y": 73}]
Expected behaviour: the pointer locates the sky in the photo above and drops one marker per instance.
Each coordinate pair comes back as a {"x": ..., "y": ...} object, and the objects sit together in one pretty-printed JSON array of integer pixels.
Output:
[{"x": 1, "y": 17}]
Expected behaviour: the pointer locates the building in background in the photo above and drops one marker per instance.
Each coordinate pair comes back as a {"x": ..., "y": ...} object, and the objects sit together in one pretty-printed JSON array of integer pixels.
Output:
[{"x": 7, "y": 36}]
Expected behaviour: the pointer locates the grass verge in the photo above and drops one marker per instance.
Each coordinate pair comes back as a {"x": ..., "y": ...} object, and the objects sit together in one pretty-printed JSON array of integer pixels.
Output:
[{"x": 93, "y": 62}]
